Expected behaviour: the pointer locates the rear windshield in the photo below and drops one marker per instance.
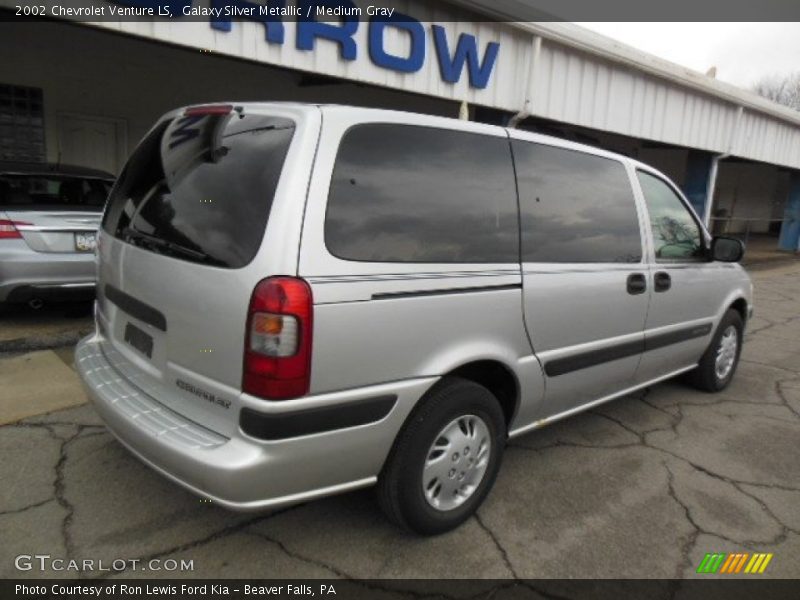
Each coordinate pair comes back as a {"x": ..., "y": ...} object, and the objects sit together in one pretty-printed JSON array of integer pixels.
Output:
[
  {"x": 200, "y": 188},
  {"x": 52, "y": 192}
]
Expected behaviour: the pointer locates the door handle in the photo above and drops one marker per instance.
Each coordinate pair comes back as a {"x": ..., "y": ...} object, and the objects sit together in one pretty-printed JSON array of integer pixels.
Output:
[
  {"x": 637, "y": 284},
  {"x": 662, "y": 281}
]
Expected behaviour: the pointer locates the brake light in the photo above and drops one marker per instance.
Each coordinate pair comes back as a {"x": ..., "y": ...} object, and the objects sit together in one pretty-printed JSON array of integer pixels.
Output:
[
  {"x": 211, "y": 109},
  {"x": 9, "y": 231},
  {"x": 277, "y": 352}
]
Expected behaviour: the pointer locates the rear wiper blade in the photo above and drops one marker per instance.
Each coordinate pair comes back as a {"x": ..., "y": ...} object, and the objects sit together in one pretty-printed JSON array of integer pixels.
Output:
[
  {"x": 171, "y": 247},
  {"x": 129, "y": 233},
  {"x": 196, "y": 254}
]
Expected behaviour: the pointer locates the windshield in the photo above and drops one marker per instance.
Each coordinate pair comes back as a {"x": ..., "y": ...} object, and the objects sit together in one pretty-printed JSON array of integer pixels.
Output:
[
  {"x": 52, "y": 192},
  {"x": 200, "y": 188}
]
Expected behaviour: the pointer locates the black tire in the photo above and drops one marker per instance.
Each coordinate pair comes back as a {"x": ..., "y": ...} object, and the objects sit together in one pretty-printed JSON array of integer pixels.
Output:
[
  {"x": 400, "y": 485},
  {"x": 705, "y": 376}
]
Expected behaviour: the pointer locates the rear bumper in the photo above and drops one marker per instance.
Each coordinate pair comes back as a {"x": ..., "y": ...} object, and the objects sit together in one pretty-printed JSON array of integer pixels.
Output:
[
  {"x": 241, "y": 472},
  {"x": 52, "y": 291},
  {"x": 26, "y": 274}
]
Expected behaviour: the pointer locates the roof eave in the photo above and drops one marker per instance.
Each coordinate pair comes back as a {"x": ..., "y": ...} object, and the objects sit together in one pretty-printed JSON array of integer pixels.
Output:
[{"x": 582, "y": 39}]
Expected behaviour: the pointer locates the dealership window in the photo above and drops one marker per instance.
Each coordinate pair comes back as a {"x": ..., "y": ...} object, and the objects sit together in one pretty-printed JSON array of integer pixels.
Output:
[
  {"x": 403, "y": 193},
  {"x": 21, "y": 123},
  {"x": 575, "y": 207}
]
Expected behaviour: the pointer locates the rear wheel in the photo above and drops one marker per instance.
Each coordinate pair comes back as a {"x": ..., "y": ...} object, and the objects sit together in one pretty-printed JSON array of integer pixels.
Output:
[
  {"x": 445, "y": 460},
  {"x": 718, "y": 365}
]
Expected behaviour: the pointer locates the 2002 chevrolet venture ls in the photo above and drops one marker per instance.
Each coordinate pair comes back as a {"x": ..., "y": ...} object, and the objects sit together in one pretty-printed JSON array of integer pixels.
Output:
[{"x": 299, "y": 300}]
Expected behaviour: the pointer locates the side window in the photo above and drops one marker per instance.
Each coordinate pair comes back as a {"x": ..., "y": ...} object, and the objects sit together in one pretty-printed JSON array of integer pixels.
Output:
[
  {"x": 575, "y": 207},
  {"x": 403, "y": 193},
  {"x": 676, "y": 235}
]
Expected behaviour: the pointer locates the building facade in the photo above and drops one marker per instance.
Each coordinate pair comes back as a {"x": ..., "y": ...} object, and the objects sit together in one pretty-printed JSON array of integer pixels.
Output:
[{"x": 85, "y": 93}]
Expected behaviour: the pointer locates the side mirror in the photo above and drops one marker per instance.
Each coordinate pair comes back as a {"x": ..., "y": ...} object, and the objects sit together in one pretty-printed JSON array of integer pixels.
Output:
[{"x": 725, "y": 249}]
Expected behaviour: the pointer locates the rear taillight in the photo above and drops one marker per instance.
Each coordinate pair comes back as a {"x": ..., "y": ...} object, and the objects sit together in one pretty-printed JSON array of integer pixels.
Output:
[
  {"x": 8, "y": 229},
  {"x": 277, "y": 353}
]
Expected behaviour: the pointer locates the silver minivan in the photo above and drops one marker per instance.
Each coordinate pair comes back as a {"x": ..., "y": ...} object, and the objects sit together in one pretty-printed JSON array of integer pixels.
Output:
[{"x": 300, "y": 300}]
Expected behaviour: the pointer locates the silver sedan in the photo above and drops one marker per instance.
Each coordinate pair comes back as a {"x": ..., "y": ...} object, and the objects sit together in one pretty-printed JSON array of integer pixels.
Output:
[{"x": 49, "y": 215}]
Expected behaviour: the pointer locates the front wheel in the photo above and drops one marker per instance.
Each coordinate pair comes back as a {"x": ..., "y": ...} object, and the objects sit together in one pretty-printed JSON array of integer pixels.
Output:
[
  {"x": 445, "y": 459},
  {"x": 718, "y": 365}
]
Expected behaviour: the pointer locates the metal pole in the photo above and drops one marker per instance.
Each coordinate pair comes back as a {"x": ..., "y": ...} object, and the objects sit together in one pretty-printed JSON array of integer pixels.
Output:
[
  {"x": 530, "y": 79},
  {"x": 712, "y": 176},
  {"x": 711, "y": 188}
]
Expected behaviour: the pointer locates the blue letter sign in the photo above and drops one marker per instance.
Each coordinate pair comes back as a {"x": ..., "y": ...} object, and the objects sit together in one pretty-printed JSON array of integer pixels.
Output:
[
  {"x": 416, "y": 58},
  {"x": 308, "y": 28},
  {"x": 466, "y": 51}
]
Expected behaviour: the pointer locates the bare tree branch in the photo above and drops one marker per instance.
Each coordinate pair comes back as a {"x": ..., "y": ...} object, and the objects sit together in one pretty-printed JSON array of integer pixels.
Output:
[{"x": 783, "y": 89}]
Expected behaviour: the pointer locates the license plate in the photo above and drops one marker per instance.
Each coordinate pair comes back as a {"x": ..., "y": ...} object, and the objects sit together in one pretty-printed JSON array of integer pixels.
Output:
[
  {"x": 85, "y": 242},
  {"x": 139, "y": 340}
]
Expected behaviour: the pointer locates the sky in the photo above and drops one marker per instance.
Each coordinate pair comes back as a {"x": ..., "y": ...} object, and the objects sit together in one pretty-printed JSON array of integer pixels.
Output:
[{"x": 742, "y": 52}]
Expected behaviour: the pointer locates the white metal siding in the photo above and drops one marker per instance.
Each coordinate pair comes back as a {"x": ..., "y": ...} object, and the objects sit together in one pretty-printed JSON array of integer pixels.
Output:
[
  {"x": 575, "y": 87},
  {"x": 579, "y": 78},
  {"x": 763, "y": 138}
]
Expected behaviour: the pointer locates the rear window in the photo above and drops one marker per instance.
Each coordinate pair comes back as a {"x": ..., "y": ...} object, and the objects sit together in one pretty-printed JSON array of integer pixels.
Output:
[
  {"x": 404, "y": 193},
  {"x": 200, "y": 188},
  {"x": 52, "y": 192}
]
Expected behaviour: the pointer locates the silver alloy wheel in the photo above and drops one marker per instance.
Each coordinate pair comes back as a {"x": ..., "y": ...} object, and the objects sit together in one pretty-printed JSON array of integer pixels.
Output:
[
  {"x": 456, "y": 462},
  {"x": 726, "y": 352}
]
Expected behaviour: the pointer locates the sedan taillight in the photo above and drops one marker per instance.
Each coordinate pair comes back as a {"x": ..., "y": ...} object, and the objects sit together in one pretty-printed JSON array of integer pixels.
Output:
[
  {"x": 277, "y": 353},
  {"x": 9, "y": 231}
]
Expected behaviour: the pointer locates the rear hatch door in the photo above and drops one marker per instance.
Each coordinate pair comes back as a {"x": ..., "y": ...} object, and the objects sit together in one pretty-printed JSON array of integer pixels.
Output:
[{"x": 181, "y": 251}]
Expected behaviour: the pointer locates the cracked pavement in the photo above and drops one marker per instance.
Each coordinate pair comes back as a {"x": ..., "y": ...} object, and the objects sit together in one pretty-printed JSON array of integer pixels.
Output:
[{"x": 641, "y": 487}]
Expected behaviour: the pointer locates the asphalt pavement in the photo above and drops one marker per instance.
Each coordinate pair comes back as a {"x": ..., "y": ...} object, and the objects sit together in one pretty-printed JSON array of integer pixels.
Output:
[{"x": 642, "y": 487}]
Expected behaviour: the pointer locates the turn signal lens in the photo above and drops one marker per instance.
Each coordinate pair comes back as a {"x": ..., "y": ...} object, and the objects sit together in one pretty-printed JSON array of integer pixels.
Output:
[
  {"x": 266, "y": 323},
  {"x": 274, "y": 335}
]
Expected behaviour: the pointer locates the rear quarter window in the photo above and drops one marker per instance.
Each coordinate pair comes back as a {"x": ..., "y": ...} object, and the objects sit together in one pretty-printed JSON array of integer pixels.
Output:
[{"x": 403, "y": 193}]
